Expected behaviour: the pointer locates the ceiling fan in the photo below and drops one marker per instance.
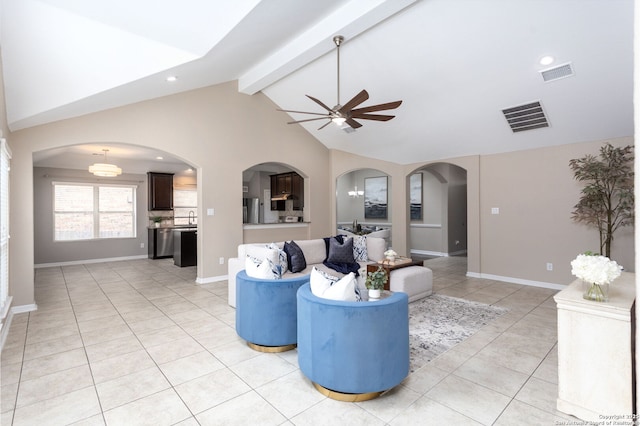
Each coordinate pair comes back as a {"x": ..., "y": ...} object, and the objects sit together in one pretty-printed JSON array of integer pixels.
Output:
[{"x": 346, "y": 113}]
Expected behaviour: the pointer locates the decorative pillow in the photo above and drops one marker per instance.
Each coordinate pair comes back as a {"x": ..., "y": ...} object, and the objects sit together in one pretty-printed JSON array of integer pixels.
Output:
[
  {"x": 340, "y": 253},
  {"x": 295, "y": 257},
  {"x": 282, "y": 257},
  {"x": 320, "y": 281},
  {"x": 360, "y": 248},
  {"x": 344, "y": 289},
  {"x": 264, "y": 269}
]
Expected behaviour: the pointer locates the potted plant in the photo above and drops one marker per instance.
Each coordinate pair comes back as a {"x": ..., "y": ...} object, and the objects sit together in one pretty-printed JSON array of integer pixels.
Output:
[
  {"x": 607, "y": 201},
  {"x": 156, "y": 220},
  {"x": 375, "y": 282}
]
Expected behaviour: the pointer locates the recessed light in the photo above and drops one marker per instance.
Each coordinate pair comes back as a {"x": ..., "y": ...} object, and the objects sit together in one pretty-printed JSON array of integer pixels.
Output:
[
  {"x": 159, "y": 158},
  {"x": 546, "y": 60},
  {"x": 172, "y": 78}
]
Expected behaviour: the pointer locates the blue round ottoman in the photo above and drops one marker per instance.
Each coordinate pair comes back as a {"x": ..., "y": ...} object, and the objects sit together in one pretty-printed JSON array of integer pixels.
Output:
[
  {"x": 266, "y": 315},
  {"x": 353, "y": 351}
]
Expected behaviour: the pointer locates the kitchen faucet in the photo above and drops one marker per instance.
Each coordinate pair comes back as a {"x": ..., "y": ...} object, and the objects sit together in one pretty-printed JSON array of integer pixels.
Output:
[{"x": 191, "y": 215}]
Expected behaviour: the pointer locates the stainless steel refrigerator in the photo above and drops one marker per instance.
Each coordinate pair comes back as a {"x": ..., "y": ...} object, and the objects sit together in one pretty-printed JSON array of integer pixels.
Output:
[{"x": 250, "y": 210}]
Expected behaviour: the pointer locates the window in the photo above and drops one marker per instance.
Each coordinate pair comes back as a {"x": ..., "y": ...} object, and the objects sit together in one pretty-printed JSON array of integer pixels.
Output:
[
  {"x": 185, "y": 203},
  {"x": 5, "y": 158},
  {"x": 84, "y": 211}
]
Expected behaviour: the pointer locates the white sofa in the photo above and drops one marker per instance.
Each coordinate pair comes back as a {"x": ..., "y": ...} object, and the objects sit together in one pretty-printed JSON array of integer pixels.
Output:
[{"x": 314, "y": 254}]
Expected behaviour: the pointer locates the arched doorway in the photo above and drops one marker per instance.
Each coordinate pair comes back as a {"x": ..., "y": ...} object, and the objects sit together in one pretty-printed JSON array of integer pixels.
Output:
[
  {"x": 363, "y": 198},
  {"x": 438, "y": 211},
  {"x": 68, "y": 165}
]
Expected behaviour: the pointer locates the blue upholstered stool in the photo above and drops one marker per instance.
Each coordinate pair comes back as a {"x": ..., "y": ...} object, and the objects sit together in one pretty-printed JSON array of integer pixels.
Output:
[
  {"x": 266, "y": 315},
  {"x": 353, "y": 351}
]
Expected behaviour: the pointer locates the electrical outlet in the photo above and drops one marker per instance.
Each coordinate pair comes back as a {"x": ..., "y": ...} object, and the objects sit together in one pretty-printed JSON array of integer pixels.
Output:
[
  {"x": 549, "y": 266},
  {"x": 495, "y": 210},
  {"x": 222, "y": 260},
  {"x": 141, "y": 245}
]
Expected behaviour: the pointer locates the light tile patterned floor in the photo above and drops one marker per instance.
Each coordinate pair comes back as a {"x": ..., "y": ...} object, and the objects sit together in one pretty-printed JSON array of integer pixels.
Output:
[{"x": 138, "y": 342}]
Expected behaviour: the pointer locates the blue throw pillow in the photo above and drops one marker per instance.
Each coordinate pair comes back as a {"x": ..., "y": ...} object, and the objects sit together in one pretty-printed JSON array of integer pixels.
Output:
[
  {"x": 340, "y": 253},
  {"x": 295, "y": 257}
]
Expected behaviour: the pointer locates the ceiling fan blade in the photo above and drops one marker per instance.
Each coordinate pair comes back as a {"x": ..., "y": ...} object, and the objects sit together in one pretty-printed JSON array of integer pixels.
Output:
[
  {"x": 353, "y": 123},
  {"x": 379, "y": 107},
  {"x": 324, "y": 125},
  {"x": 303, "y": 112},
  {"x": 319, "y": 103},
  {"x": 376, "y": 117},
  {"x": 308, "y": 119},
  {"x": 355, "y": 101}
]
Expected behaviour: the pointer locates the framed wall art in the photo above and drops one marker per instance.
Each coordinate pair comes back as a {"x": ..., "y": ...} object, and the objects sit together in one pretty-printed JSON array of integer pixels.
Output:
[{"x": 375, "y": 197}]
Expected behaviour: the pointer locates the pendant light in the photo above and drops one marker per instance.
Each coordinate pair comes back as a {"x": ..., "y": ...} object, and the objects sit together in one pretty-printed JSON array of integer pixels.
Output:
[{"x": 105, "y": 169}]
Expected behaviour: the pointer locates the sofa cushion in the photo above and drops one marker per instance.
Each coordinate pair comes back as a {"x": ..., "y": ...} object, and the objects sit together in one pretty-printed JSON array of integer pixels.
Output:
[
  {"x": 344, "y": 289},
  {"x": 282, "y": 257},
  {"x": 295, "y": 257},
  {"x": 314, "y": 251},
  {"x": 262, "y": 268},
  {"x": 320, "y": 281},
  {"x": 340, "y": 253},
  {"x": 360, "y": 248}
]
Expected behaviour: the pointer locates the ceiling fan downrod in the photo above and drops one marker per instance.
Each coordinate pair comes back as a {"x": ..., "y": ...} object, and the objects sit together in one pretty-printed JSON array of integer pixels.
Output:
[{"x": 338, "y": 41}]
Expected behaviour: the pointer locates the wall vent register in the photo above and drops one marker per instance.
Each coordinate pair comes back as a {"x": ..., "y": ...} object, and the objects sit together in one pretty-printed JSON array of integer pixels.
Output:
[{"x": 526, "y": 117}]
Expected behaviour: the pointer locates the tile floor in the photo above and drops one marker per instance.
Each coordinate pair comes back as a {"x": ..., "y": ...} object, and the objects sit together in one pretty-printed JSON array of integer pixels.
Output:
[{"x": 138, "y": 342}]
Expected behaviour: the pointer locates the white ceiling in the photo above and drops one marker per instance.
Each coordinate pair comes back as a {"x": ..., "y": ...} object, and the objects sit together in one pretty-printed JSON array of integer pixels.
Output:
[{"x": 455, "y": 64}]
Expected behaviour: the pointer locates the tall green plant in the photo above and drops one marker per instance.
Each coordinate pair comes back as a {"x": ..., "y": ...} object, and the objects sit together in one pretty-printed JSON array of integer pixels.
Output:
[{"x": 607, "y": 200}]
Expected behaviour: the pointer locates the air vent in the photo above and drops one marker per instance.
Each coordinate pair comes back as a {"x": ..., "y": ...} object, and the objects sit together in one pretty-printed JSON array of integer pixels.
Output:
[
  {"x": 556, "y": 73},
  {"x": 526, "y": 117}
]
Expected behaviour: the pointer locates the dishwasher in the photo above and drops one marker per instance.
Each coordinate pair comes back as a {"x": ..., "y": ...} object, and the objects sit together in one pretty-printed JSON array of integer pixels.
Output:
[{"x": 160, "y": 243}]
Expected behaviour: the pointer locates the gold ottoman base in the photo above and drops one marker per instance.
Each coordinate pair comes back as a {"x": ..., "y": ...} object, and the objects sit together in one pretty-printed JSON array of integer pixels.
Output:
[
  {"x": 346, "y": 397},
  {"x": 271, "y": 349}
]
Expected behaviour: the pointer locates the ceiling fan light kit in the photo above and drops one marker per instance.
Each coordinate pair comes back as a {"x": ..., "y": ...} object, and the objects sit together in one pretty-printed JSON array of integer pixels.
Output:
[{"x": 341, "y": 114}]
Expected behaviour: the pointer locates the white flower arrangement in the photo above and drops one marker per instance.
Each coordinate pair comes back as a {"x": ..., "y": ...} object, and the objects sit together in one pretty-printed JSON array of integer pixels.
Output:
[
  {"x": 595, "y": 269},
  {"x": 390, "y": 253}
]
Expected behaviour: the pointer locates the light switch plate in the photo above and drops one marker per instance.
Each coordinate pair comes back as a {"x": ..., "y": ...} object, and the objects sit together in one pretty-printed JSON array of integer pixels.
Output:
[{"x": 495, "y": 210}]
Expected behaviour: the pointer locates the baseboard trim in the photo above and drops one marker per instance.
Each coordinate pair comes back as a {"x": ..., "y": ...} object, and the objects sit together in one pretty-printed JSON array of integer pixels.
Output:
[
  {"x": 531, "y": 283},
  {"x": 80, "y": 262},
  {"x": 24, "y": 308},
  {"x": 210, "y": 280},
  {"x": 429, "y": 253},
  {"x": 437, "y": 253}
]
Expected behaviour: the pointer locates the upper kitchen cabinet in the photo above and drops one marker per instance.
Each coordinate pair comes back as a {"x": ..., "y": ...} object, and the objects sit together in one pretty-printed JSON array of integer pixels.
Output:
[
  {"x": 160, "y": 191},
  {"x": 287, "y": 186}
]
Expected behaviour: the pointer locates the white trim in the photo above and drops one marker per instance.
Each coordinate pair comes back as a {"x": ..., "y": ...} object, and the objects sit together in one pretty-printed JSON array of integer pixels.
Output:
[
  {"x": 531, "y": 283},
  {"x": 429, "y": 253},
  {"x": 209, "y": 280},
  {"x": 6, "y": 308},
  {"x": 276, "y": 225},
  {"x": 80, "y": 262},
  {"x": 425, "y": 225},
  {"x": 24, "y": 308},
  {"x": 4, "y": 329}
]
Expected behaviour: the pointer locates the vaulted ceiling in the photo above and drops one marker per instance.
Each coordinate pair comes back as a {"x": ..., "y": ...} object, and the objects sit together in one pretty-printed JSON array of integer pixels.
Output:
[{"x": 455, "y": 64}]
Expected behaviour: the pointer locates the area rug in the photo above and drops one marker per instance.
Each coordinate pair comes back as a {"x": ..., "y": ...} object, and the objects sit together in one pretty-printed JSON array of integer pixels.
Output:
[{"x": 438, "y": 323}]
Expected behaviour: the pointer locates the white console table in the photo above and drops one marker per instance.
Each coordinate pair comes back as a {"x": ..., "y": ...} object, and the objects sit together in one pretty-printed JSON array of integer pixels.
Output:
[{"x": 595, "y": 351}]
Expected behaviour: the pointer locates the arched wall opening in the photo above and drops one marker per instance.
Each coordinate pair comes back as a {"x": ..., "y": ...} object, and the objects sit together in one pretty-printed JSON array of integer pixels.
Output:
[
  {"x": 266, "y": 219},
  {"x": 69, "y": 165},
  {"x": 437, "y": 224},
  {"x": 363, "y": 200}
]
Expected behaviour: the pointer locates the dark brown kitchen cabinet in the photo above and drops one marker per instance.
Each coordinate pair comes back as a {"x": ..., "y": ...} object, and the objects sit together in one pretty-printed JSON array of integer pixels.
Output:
[
  {"x": 287, "y": 186},
  {"x": 160, "y": 191}
]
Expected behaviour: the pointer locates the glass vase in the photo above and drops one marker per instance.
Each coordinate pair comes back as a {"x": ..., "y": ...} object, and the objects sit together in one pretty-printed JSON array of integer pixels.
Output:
[{"x": 595, "y": 292}]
